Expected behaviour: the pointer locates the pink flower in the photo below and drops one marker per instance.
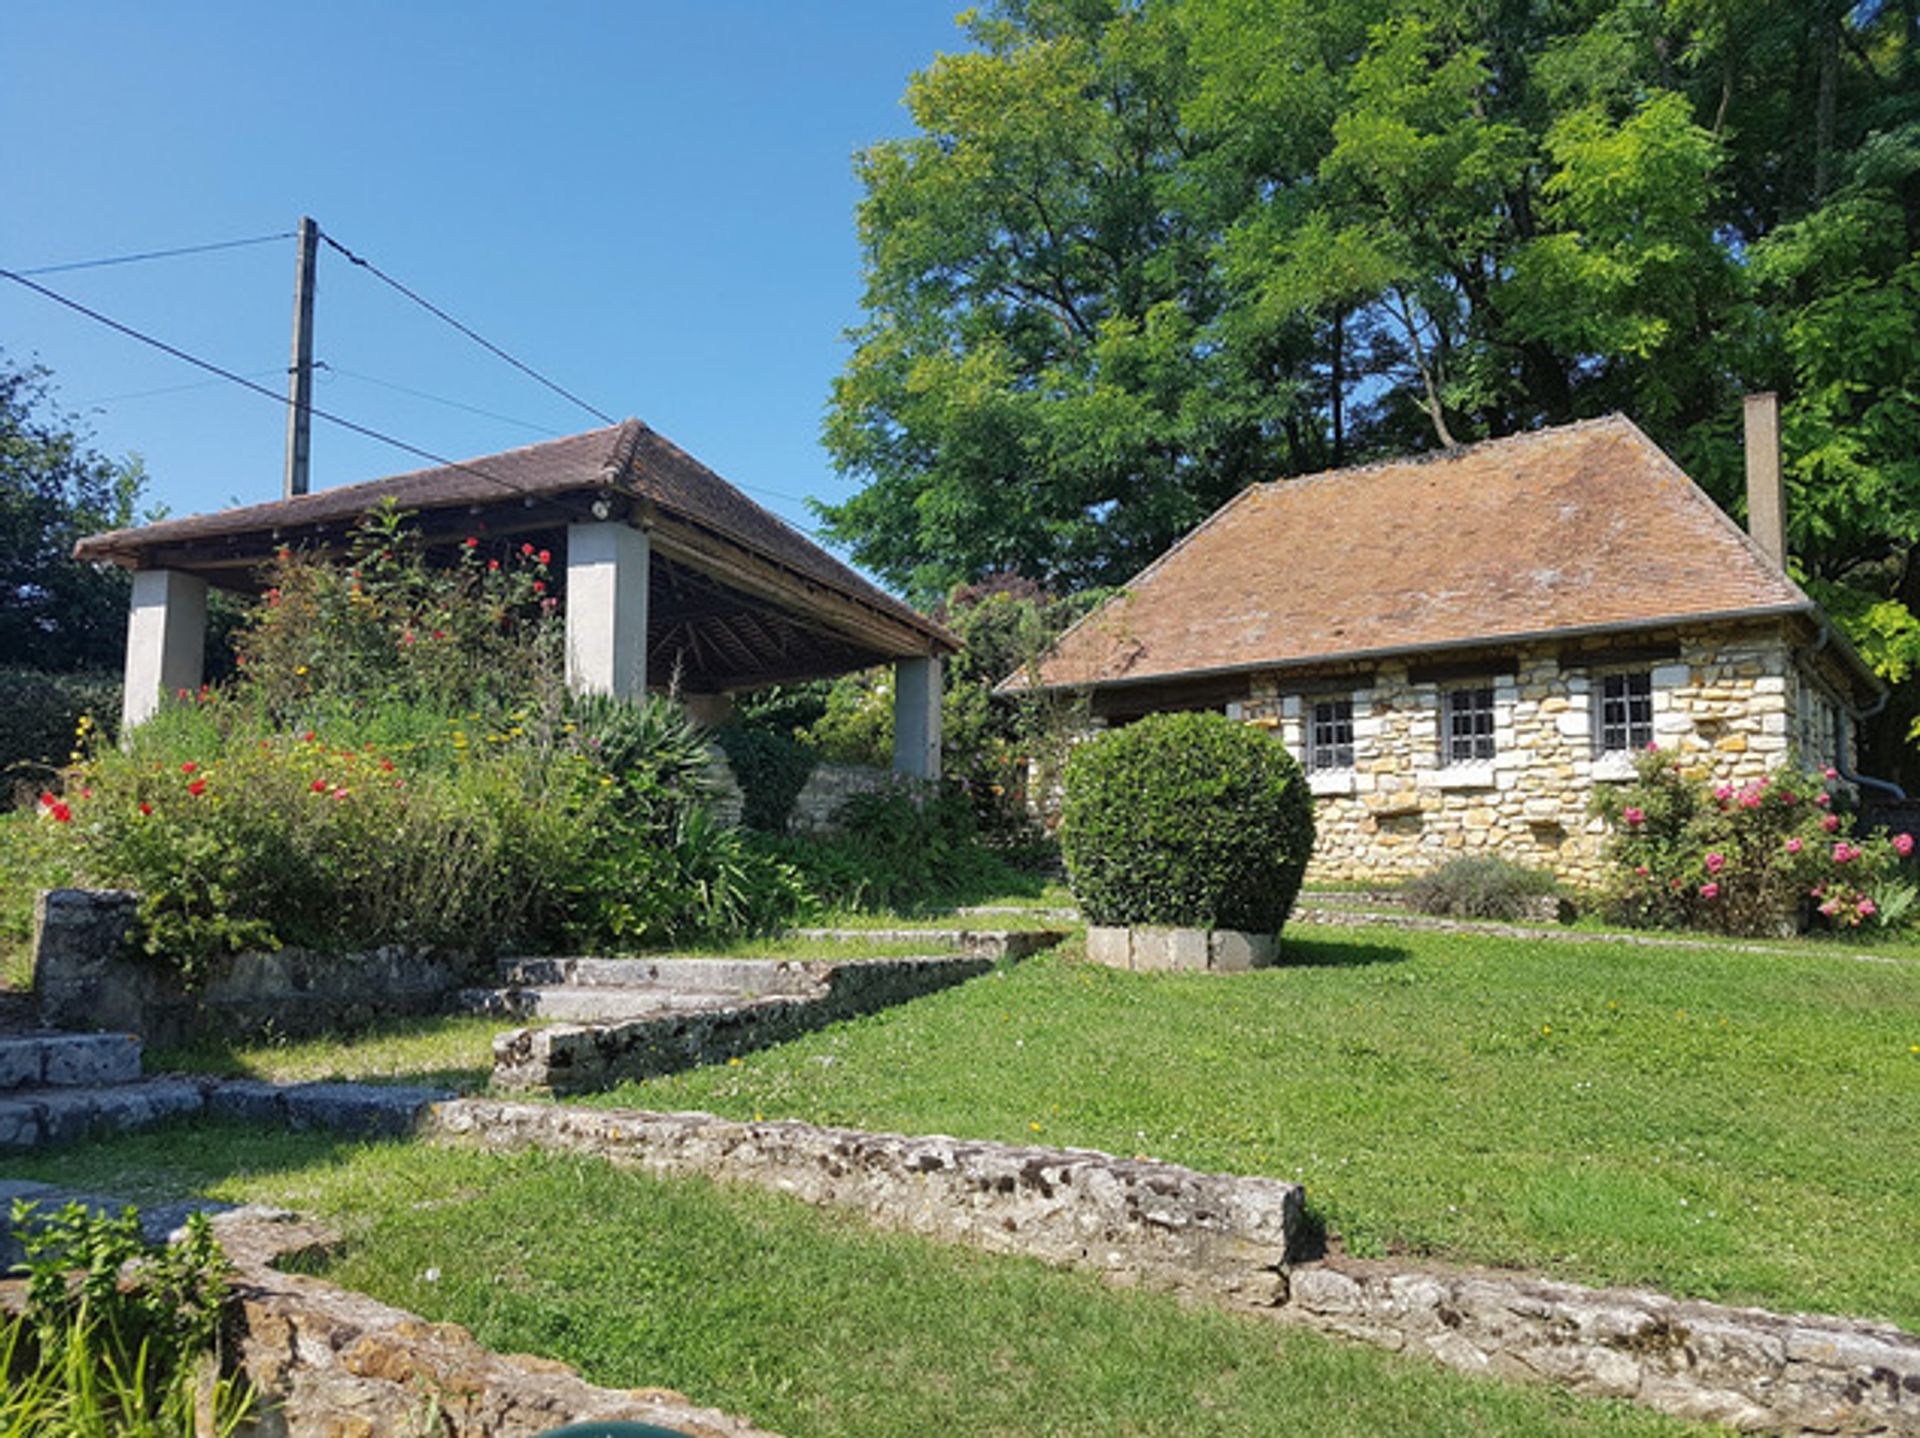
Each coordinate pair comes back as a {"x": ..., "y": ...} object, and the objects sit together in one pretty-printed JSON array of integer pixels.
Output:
[
  {"x": 1831, "y": 772},
  {"x": 1723, "y": 793},
  {"x": 1866, "y": 908},
  {"x": 1787, "y": 796},
  {"x": 1634, "y": 816},
  {"x": 1830, "y": 823},
  {"x": 1794, "y": 846},
  {"x": 1823, "y": 800},
  {"x": 1641, "y": 870},
  {"x": 1716, "y": 862},
  {"x": 1844, "y": 853},
  {"x": 1709, "y": 891},
  {"x": 1652, "y": 748},
  {"x": 1903, "y": 844}
]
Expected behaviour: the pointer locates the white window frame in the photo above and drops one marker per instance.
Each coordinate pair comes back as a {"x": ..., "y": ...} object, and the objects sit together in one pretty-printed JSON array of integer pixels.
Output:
[
  {"x": 1474, "y": 761},
  {"x": 1315, "y": 749},
  {"x": 1631, "y": 743}
]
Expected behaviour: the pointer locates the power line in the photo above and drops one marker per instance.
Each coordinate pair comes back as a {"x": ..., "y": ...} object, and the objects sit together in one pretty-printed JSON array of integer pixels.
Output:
[
  {"x": 434, "y": 398},
  {"x": 154, "y": 255},
  {"x": 164, "y": 389},
  {"x": 477, "y": 338},
  {"x": 245, "y": 383}
]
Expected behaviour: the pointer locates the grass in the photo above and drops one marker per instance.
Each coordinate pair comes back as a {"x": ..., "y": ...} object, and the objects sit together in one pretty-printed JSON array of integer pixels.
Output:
[
  {"x": 808, "y": 1324},
  {"x": 451, "y": 1051},
  {"x": 1721, "y": 1125}
]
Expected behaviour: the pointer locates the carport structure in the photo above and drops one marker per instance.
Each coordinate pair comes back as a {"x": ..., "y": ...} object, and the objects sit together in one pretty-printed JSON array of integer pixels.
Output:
[{"x": 671, "y": 577}]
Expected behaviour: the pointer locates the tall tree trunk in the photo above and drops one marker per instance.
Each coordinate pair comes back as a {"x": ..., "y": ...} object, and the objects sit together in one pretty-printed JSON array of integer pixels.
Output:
[
  {"x": 1337, "y": 386},
  {"x": 1827, "y": 97}
]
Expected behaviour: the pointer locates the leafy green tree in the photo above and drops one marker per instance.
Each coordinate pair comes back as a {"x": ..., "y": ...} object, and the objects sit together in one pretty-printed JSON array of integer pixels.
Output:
[
  {"x": 57, "y": 614},
  {"x": 1142, "y": 253}
]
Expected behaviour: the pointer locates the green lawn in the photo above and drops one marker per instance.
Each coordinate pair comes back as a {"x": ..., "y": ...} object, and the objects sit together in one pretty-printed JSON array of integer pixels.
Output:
[
  {"x": 1731, "y": 1126},
  {"x": 451, "y": 1052},
  {"x": 809, "y": 1325}
]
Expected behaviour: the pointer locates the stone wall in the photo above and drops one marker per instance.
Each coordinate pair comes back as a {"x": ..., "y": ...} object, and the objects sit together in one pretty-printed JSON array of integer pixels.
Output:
[
  {"x": 1239, "y": 1240},
  {"x": 1742, "y": 1367},
  {"x": 325, "y": 1362},
  {"x": 85, "y": 977},
  {"x": 819, "y": 801},
  {"x": 1133, "y": 1218},
  {"x": 1725, "y": 696},
  {"x": 795, "y": 997}
]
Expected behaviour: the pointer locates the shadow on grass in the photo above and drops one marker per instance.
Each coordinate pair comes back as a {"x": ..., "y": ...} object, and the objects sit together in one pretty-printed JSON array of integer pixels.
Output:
[
  {"x": 438, "y": 1051},
  {"x": 1337, "y": 953}
]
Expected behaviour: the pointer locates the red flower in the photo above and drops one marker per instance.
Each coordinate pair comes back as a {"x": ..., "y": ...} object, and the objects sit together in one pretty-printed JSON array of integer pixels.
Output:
[
  {"x": 319, "y": 786},
  {"x": 60, "y": 813},
  {"x": 493, "y": 564},
  {"x": 539, "y": 586},
  {"x": 387, "y": 765},
  {"x": 197, "y": 788},
  {"x": 472, "y": 543},
  {"x": 308, "y": 736},
  {"x": 439, "y": 634},
  {"x": 526, "y": 549},
  {"x": 546, "y": 556},
  {"x": 145, "y": 807},
  {"x": 188, "y": 767}
]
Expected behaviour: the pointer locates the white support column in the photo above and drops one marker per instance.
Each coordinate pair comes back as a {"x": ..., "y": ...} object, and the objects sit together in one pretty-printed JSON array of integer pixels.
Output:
[
  {"x": 607, "y": 566},
  {"x": 916, "y": 717},
  {"x": 166, "y": 640}
]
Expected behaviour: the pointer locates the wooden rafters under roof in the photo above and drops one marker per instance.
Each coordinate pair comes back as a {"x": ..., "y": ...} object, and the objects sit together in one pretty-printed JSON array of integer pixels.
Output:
[{"x": 739, "y": 597}]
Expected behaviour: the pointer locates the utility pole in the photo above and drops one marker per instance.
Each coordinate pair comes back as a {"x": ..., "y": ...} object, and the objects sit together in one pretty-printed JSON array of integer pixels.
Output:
[{"x": 300, "y": 368}]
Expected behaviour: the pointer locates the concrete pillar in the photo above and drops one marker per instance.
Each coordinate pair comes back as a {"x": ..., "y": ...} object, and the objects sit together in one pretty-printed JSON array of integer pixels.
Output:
[
  {"x": 607, "y": 566},
  {"x": 166, "y": 640},
  {"x": 916, "y": 717}
]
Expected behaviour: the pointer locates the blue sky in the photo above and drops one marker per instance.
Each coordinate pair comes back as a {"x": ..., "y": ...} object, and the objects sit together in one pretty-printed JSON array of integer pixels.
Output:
[{"x": 650, "y": 202}]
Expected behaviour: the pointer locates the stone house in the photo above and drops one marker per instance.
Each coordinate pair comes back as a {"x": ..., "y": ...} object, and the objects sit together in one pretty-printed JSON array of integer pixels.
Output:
[{"x": 1459, "y": 647}]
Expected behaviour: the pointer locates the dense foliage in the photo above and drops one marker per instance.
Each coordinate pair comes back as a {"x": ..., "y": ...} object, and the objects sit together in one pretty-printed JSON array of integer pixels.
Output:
[
  {"x": 54, "y": 490},
  {"x": 771, "y": 769},
  {"x": 1141, "y": 253},
  {"x": 1193, "y": 820},
  {"x": 113, "y": 1330},
  {"x": 1767, "y": 857},
  {"x": 1479, "y": 886},
  {"x": 907, "y": 847},
  {"x": 38, "y": 712}
]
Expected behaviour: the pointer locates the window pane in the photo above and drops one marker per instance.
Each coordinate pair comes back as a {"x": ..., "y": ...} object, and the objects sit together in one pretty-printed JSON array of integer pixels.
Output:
[
  {"x": 1469, "y": 726},
  {"x": 1330, "y": 736},
  {"x": 1626, "y": 711}
]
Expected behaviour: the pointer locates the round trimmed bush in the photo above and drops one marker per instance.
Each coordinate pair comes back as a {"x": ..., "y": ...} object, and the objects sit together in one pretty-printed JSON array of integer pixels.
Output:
[{"x": 1194, "y": 821}]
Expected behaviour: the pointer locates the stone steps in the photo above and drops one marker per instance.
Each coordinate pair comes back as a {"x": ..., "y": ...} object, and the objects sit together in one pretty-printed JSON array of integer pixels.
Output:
[
  {"x": 64, "y": 1060},
  {"x": 32, "y": 1117},
  {"x": 588, "y": 1003}
]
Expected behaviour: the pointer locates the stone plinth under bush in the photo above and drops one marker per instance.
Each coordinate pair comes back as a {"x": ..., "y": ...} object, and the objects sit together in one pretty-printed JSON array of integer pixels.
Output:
[{"x": 1146, "y": 948}]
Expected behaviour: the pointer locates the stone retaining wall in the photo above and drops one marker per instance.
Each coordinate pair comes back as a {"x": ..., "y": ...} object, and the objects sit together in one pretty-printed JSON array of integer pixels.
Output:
[
  {"x": 85, "y": 977},
  {"x": 1232, "y": 1238},
  {"x": 577, "y": 1058},
  {"x": 1133, "y": 1218},
  {"x": 326, "y": 1362},
  {"x": 1743, "y": 1367}
]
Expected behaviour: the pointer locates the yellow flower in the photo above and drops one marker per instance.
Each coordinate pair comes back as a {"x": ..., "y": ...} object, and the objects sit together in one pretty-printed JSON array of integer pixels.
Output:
[{"x": 299, "y": 669}]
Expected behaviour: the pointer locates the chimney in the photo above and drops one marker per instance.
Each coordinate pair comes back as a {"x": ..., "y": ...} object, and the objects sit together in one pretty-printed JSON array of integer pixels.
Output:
[{"x": 1766, "y": 499}]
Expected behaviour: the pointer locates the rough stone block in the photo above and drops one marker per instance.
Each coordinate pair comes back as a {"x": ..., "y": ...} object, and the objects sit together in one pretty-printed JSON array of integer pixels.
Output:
[
  {"x": 22, "y": 1061},
  {"x": 360, "y": 1108},
  {"x": 1158, "y": 949},
  {"x": 1110, "y": 944},
  {"x": 1234, "y": 951},
  {"x": 20, "y": 1126},
  {"x": 91, "y": 1059}
]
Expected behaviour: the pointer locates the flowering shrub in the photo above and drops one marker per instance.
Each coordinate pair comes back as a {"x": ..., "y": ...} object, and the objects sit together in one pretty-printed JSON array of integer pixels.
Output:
[
  {"x": 482, "y": 635},
  {"x": 1765, "y": 857}
]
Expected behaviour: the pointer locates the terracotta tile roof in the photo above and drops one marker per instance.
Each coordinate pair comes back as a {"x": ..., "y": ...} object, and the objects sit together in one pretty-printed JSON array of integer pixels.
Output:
[
  {"x": 629, "y": 458},
  {"x": 1585, "y": 527}
]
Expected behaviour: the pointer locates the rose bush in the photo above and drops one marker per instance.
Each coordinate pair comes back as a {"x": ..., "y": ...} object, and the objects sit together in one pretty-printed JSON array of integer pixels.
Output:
[{"x": 1766, "y": 857}]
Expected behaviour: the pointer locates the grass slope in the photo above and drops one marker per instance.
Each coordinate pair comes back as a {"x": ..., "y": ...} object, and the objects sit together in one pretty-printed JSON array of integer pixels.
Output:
[
  {"x": 811, "y": 1325},
  {"x": 1719, "y": 1125}
]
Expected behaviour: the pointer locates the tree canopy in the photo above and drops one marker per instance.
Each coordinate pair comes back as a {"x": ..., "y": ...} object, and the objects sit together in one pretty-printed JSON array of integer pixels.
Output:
[
  {"x": 1142, "y": 253},
  {"x": 55, "y": 488}
]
